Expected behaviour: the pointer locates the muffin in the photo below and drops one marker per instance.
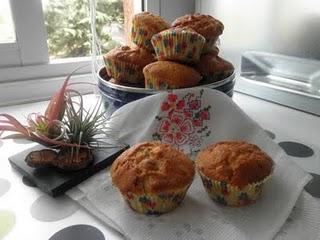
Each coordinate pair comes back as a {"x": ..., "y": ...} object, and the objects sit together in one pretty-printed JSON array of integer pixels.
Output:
[
  {"x": 233, "y": 172},
  {"x": 164, "y": 75},
  {"x": 152, "y": 177},
  {"x": 178, "y": 44},
  {"x": 213, "y": 68},
  {"x": 125, "y": 64},
  {"x": 209, "y": 27},
  {"x": 144, "y": 26}
]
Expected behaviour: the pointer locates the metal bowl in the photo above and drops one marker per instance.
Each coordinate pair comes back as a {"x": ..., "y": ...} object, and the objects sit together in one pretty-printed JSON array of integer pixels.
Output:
[{"x": 115, "y": 96}]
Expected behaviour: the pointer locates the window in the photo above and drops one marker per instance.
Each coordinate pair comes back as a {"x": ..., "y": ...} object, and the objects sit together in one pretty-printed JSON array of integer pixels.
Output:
[
  {"x": 52, "y": 39},
  {"x": 6, "y": 23},
  {"x": 68, "y": 26},
  {"x": 7, "y": 35},
  {"x": 56, "y": 29}
]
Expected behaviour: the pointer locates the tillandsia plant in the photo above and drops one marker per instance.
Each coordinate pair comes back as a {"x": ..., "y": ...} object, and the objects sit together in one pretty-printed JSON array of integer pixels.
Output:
[{"x": 69, "y": 131}]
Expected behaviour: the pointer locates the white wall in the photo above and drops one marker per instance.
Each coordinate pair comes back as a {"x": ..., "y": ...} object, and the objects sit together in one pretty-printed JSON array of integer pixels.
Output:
[{"x": 170, "y": 9}]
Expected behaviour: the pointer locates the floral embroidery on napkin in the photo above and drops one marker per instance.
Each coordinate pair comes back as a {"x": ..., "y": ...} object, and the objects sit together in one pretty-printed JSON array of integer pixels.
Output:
[{"x": 182, "y": 121}]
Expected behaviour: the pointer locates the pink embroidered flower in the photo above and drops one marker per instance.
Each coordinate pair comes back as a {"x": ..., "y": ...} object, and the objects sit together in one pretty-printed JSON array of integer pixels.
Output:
[
  {"x": 172, "y": 97},
  {"x": 180, "y": 104},
  {"x": 187, "y": 113},
  {"x": 204, "y": 115},
  {"x": 172, "y": 104},
  {"x": 175, "y": 129},
  {"x": 183, "y": 121},
  {"x": 197, "y": 122},
  {"x": 165, "y": 106},
  {"x": 194, "y": 104}
]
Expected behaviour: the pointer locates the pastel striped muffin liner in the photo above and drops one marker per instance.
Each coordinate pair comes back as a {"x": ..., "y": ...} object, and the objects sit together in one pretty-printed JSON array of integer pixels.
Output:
[
  {"x": 156, "y": 83},
  {"x": 182, "y": 45},
  {"x": 209, "y": 45},
  {"x": 226, "y": 194},
  {"x": 141, "y": 37},
  {"x": 155, "y": 204},
  {"x": 123, "y": 71}
]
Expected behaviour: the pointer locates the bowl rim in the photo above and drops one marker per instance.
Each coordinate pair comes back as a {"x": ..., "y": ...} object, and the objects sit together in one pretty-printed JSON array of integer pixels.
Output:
[{"x": 152, "y": 91}]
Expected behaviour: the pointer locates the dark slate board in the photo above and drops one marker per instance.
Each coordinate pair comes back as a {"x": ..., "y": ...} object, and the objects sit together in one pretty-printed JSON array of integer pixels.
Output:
[{"x": 54, "y": 181}]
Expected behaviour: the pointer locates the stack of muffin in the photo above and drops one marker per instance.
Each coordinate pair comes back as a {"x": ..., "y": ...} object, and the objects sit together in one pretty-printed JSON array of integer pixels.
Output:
[{"x": 169, "y": 57}]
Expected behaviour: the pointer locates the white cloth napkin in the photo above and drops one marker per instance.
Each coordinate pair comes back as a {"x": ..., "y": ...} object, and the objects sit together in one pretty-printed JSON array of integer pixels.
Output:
[{"x": 191, "y": 120}]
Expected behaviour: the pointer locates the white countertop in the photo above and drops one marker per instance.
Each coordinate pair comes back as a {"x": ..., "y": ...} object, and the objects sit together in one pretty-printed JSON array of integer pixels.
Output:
[
  {"x": 287, "y": 124},
  {"x": 31, "y": 207}
]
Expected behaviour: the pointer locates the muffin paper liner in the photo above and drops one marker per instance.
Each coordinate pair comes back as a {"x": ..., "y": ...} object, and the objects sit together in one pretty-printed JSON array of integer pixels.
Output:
[
  {"x": 122, "y": 71},
  {"x": 178, "y": 46},
  {"x": 155, "y": 204},
  {"x": 157, "y": 84},
  {"x": 209, "y": 45},
  {"x": 141, "y": 37},
  {"x": 161, "y": 84},
  {"x": 226, "y": 194}
]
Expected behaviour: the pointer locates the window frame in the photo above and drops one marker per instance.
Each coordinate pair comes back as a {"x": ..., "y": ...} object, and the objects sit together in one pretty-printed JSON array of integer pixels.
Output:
[
  {"x": 9, "y": 54},
  {"x": 30, "y": 47},
  {"x": 28, "y": 57}
]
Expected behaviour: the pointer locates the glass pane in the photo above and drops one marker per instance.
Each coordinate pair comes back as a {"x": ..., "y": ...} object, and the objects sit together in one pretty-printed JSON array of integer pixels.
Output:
[
  {"x": 68, "y": 26},
  {"x": 7, "y": 32}
]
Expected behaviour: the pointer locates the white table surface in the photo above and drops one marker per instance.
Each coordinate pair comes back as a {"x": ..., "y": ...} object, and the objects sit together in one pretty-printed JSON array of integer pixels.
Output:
[{"x": 30, "y": 206}]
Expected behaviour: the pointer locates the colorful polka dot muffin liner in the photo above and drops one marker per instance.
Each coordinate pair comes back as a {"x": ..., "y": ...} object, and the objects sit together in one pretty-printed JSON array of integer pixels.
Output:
[
  {"x": 125, "y": 72},
  {"x": 157, "y": 83},
  {"x": 209, "y": 45},
  {"x": 182, "y": 46},
  {"x": 229, "y": 195},
  {"x": 155, "y": 204},
  {"x": 141, "y": 37}
]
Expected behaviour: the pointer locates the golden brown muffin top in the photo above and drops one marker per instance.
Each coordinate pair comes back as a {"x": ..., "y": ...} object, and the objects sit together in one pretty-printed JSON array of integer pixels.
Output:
[
  {"x": 135, "y": 55},
  {"x": 211, "y": 64},
  {"x": 236, "y": 162},
  {"x": 178, "y": 30},
  {"x": 206, "y": 25},
  {"x": 152, "y": 167},
  {"x": 149, "y": 21},
  {"x": 175, "y": 74}
]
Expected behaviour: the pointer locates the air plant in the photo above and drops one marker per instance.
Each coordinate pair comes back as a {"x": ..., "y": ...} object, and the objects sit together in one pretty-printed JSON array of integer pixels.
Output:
[
  {"x": 45, "y": 129},
  {"x": 65, "y": 126}
]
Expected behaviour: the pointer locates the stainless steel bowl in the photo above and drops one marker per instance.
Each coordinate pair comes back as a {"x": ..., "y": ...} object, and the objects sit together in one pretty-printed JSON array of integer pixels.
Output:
[{"x": 116, "y": 96}]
